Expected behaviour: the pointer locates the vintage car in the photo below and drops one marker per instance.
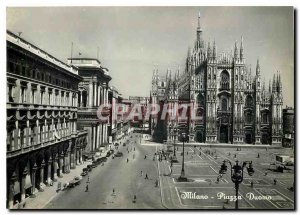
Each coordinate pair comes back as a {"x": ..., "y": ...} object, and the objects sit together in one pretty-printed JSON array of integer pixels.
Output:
[
  {"x": 84, "y": 172},
  {"x": 75, "y": 181},
  {"x": 119, "y": 154}
]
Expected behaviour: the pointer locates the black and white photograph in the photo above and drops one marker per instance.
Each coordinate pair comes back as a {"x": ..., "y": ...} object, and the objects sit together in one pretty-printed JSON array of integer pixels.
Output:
[{"x": 150, "y": 107}]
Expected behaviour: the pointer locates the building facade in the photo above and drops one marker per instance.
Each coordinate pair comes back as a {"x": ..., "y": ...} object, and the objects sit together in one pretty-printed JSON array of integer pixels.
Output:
[
  {"x": 288, "y": 127},
  {"x": 231, "y": 104},
  {"x": 93, "y": 92},
  {"x": 43, "y": 142}
]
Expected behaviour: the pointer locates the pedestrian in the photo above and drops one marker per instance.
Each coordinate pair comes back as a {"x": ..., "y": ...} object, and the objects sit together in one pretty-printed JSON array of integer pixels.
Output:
[
  {"x": 275, "y": 181},
  {"x": 145, "y": 157},
  {"x": 235, "y": 155},
  {"x": 134, "y": 199},
  {"x": 127, "y": 160},
  {"x": 113, "y": 190},
  {"x": 156, "y": 183},
  {"x": 87, "y": 188},
  {"x": 146, "y": 177},
  {"x": 251, "y": 184},
  {"x": 257, "y": 155}
]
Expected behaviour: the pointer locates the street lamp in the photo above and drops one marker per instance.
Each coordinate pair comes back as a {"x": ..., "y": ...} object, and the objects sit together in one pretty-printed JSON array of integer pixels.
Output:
[
  {"x": 182, "y": 175},
  {"x": 237, "y": 174}
]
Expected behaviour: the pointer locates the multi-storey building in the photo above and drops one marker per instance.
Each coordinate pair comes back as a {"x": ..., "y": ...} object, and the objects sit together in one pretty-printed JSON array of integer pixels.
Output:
[
  {"x": 139, "y": 107},
  {"x": 116, "y": 130},
  {"x": 43, "y": 142},
  {"x": 93, "y": 92},
  {"x": 288, "y": 127},
  {"x": 231, "y": 105}
]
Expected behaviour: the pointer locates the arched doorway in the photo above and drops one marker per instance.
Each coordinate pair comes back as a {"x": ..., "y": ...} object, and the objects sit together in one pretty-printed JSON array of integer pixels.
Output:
[
  {"x": 199, "y": 137},
  {"x": 224, "y": 133},
  {"x": 248, "y": 138},
  {"x": 265, "y": 138}
]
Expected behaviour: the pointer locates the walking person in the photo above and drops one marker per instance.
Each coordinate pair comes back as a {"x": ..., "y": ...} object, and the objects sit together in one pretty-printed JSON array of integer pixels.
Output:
[
  {"x": 146, "y": 177},
  {"x": 275, "y": 181},
  {"x": 251, "y": 184},
  {"x": 87, "y": 188},
  {"x": 127, "y": 160}
]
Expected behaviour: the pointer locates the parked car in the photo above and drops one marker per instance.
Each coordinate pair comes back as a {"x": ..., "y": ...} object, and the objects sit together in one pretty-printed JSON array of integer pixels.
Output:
[
  {"x": 119, "y": 154},
  {"x": 89, "y": 167},
  {"x": 84, "y": 171},
  {"x": 103, "y": 159},
  {"x": 108, "y": 154},
  {"x": 75, "y": 181}
]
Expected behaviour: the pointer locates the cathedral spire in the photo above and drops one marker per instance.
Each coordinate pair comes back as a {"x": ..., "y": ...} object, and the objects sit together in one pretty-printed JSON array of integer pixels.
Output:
[
  {"x": 199, "y": 29},
  {"x": 199, "y": 33},
  {"x": 280, "y": 84},
  {"x": 274, "y": 85},
  {"x": 214, "y": 51},
  {"x": 241, "y": 49},
  {"x": 208, "y": 51},
  {"x": 257, "y": 68},
  {"x": 235, "y": 50}
]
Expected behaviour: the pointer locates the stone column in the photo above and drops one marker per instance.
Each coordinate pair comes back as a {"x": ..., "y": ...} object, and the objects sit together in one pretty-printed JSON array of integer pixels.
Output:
[
  {"x": 81, "y": 103},
  {"x": 66, "y": 163},
  {"x": 95, "y": 93},
  {"x": 61, "y": 165},
  {"x": 42, "y": 176},
  {"x": 80, "y": 156},
  {"x": 90, "y": 94},
  {"x": 77, "y": 156},
  {"x": 98, "y": 135},
  {"x": 23, "y": 181},
  {"x": 55, "y": 167},
  {"x": 49, "y": 171},
  {"x": 94, "y": 137},
  {"x": 98, "y": 96},
  {"x": 73, "y": 166},
  {"x": 11, "y": 191},
  {"x": 33, "y": 171}
]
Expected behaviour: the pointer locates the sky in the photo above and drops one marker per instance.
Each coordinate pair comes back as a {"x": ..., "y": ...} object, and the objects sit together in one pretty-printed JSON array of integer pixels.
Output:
[{"x": 133, "y": 40}]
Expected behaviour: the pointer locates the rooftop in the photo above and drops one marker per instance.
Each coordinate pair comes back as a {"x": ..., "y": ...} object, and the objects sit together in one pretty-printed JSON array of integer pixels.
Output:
[{"x": 11, "y": 37}]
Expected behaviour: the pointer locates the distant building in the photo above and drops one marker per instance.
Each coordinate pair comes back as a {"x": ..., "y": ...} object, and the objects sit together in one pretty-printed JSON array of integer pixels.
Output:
[
  {"x": 140, "y": 122},
  {"x": 93, "y": 92},
  {"x": 288, "y": 127},
  {"x": 43, "y": 142}
]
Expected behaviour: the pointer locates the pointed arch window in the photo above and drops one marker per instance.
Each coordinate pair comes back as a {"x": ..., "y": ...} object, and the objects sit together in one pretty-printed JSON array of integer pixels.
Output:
[{"x": 224, "y": 80}]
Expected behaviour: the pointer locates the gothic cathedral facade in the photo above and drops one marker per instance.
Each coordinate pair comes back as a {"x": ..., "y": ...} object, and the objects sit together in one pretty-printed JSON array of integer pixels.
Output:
[{"x": 234, "y": 105}]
